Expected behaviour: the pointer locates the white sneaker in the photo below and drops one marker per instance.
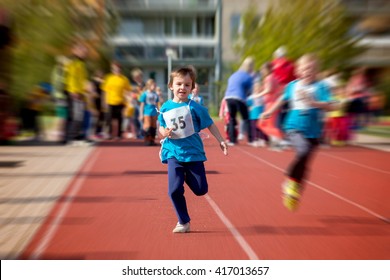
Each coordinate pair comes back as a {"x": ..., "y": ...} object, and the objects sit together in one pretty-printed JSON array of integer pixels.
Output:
[
  {"x": 253, "y": 144},
  {"x": 180, "y": 228},
  {"x": 261, "y": 143}
]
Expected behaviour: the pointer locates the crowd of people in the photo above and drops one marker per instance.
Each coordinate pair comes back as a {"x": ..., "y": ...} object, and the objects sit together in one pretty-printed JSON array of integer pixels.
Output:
[
  {"x": 250, "y": 92},
  {"x": 89, "y": 108}
]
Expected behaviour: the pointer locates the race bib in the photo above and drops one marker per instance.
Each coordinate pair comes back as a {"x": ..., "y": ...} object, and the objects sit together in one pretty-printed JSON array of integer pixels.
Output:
[
  {"x": 180, "y": 119},
  {"x": 301, "y": 95}
]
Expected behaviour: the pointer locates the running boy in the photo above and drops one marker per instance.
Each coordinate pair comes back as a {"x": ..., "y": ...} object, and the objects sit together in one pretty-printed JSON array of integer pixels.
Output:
[
  {"x": 181, "y": 120},
  {"x": 149, "y": 104},
  {"x": 307, "y": 99}
]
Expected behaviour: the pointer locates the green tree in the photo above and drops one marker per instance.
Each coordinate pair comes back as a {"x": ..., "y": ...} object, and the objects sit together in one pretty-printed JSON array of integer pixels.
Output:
[
  {"x": 43, "y": 29},
  {"x": 318, "y": 26}
]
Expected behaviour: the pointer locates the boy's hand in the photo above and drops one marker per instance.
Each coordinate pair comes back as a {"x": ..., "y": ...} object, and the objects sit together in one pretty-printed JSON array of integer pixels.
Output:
[
  {"x": 168, "y": 132},
  {"x": 224, "y": 147}
]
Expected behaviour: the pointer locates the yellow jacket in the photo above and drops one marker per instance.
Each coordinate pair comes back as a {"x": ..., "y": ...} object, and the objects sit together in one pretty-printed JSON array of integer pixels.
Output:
[
  {"x": 115, "y": 87},
  {"x": 76, "y": 76}
]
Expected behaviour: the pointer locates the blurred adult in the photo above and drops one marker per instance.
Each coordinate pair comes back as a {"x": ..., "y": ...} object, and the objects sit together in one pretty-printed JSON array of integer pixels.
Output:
[
  {"x": 284, "y": 72},
  {"x": 76, "y": 80},
  {"x": 239, "y": 87},
  {"x": 283, "y": 68},
  {"x": 138, "y": 85},
  {"x": 115, "y": 86},
  {"x": 97, "y": 81}
]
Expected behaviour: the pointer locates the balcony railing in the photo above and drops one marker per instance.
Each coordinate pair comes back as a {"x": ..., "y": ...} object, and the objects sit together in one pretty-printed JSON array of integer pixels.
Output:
[
  {"x": 367, "y": 6},
  {"x": 164, "y": 4}
]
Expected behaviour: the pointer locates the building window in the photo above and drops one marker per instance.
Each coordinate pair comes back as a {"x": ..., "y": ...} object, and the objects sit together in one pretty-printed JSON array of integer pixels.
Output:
[
  {"x": 133, "y": 52},
  {"x": 235, "y": 22},
  {"x": 168, "y": 26},
  {"x": 198, "y": 52},
  {"x": 131, "y": 26},
  {"x": 183, "y": 26},
  {"x": 205, "y": 26},
  {"x": 153, "y": 27}
]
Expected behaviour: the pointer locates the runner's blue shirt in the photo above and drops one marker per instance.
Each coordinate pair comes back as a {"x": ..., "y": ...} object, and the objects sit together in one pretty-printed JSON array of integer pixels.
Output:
[{"x": 190, "y": 148}]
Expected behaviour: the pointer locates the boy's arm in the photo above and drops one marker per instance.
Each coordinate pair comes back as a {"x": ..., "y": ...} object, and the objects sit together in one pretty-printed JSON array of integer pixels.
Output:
[
  {"x": 215, "y": 132},
  {"x": 277, "y": 105},
  {"x": 325, "y": 105}
]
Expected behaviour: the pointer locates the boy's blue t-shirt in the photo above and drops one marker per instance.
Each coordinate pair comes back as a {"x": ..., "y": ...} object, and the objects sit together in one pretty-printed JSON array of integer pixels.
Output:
[
  {"x": 150, "y": 99},
  {"x": 308, "y": 121},
  {"x": 190, "y": 148},
  {"x": 255, "y": 107}
]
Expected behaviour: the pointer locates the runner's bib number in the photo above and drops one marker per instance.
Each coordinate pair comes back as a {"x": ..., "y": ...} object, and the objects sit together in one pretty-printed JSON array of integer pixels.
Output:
[{"x": 180, "y": 119}]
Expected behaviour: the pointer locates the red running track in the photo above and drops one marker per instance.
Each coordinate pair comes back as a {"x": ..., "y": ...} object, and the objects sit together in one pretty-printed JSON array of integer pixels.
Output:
[{"x": 117, "y": 207}]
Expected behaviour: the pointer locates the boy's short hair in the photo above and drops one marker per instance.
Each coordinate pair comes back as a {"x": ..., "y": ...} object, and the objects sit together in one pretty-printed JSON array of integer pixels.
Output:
[{"x": 183, "y": 71}]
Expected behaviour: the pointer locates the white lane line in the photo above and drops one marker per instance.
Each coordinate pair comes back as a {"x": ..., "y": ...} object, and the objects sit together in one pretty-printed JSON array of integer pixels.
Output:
[
  {"x": 387, "y": 220},
  {"x": 236, "y": 234},
  {"x": 53, "y": 227},
  {"x": 357, "y": 164}
]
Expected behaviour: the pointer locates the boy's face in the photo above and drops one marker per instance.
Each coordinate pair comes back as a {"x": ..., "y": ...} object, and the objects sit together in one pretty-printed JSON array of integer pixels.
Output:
[
  {"x": 307, "y": 69},
  {"x": 152, "y": 87},
  {"x": 181, "y": 87}
]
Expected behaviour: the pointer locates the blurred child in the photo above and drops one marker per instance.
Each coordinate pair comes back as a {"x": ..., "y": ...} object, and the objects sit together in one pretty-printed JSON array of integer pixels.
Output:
[
  {"x": 307, "y": 99},
  {"x": 337, "y": 133},
  {"x": 182, "y": 149},
  {"x": 225, "y": 116},
  {"x": 160, "y": 95},
  {"x": 129, "y": 115},
  {"x": 270, "y": 91},
  {"x": 256, "y": 107},
  {"x": 195, "y": 95},
  {"x": 148, "y": 112}
]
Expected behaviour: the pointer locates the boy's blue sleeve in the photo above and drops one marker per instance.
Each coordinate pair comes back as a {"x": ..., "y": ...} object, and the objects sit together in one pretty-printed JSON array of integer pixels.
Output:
[
  {"x": 204, "y": 117},
  {"x": 288, "y": 92},
  {"x": 325, "y": 94},
  {"x": 161, "y": 118}
]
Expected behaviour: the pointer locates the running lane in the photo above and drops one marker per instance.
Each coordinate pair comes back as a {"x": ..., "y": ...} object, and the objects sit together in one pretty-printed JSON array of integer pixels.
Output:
[{"x": 117, "y": 208}]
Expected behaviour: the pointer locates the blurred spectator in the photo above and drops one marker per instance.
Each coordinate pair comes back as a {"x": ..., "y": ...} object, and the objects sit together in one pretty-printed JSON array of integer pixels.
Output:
[
  {"x": 238, "y": 88},
  {"x": 5, "y": 130},
  {"x": 376, "y": 105},
  {"x": 283, "y": 70},
  {"x": 75, "y": 84},
  {"x": 31, "y": 111},
  {"x": 194, "y": 95},
  {"x": 160, "y": 95},
  {"x": 358, "y": 92},
  {"x": 138, "y": 85},
  {"x": 97, "y": 81},
  {"x": 337, "y": 123},
  {"x": 129, "y": 114},
  {"x": 255, "y": 105},
  {"x": 282, "y": 67},
  {"x": 270, "y": 91},
  {"x": 58, "y": 92},
  {"x": 115, "y": 86},
  {"x": 149, "y": 105}
]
